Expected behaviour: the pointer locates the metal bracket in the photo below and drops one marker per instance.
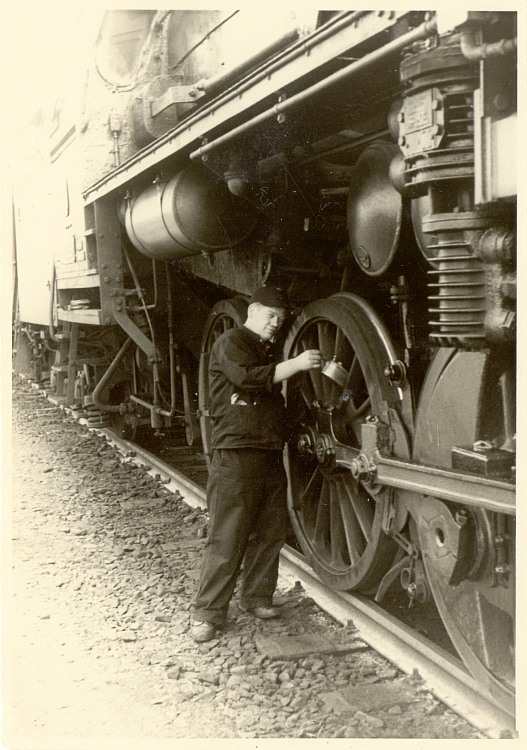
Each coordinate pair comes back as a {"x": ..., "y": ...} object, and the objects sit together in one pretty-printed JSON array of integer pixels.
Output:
[
  {"x": 135, "y": 333},
  {"x": 375, "y": 435},
  {"x": 175, "y": 95}
]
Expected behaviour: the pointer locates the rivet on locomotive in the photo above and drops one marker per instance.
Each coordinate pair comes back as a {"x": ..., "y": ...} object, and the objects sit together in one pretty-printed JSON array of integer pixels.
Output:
[{"x": 365, "y": 160}]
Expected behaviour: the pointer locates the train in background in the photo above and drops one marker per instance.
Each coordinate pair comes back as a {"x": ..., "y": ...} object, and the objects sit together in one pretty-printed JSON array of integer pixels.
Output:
[{"x": 363, "y": 160}]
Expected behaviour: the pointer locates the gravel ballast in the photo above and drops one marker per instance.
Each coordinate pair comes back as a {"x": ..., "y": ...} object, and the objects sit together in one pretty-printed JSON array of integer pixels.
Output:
[{"x": 102, "y": 569}]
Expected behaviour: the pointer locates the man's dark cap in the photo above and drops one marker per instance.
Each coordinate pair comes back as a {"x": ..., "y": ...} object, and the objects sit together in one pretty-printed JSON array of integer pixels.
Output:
[{"x": 271, "y": 296}]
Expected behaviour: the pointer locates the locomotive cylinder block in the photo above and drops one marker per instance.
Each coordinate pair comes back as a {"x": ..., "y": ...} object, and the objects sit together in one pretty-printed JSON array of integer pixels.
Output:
[
  {"x": 436, "y": 133},
  {"x": 436, "y": 137}
]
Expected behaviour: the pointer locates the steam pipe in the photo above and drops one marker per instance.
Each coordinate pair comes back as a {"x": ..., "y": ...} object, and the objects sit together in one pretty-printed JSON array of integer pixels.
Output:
[
  {"x": 209, "y": 85},
  {"x": 172, "y": 353},
  {"x": 378, "y": 55},
  {"x": 154, "y": 409},
  {"x": 154, "y": 279},
  {"x": 474, "y": 51},
  {"x": 340, "y": 22},
  {"x": 117, "y": 408}
]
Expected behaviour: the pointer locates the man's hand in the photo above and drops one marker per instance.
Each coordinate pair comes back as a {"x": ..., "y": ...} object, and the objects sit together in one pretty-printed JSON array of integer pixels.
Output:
[{"x": 311, "y": 359}]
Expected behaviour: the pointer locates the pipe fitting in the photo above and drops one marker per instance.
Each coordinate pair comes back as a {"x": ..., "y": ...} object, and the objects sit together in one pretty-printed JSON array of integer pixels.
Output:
[
  {"x": 474, "y": 51},
  {"x": 361, "y": 469},
  {"x": 237, "y": 183},
  {"x": 497, "y": 245},
  {"x": 96, "y": 400}
]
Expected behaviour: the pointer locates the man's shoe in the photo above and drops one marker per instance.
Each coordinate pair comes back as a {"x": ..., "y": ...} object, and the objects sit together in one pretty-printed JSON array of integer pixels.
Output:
[
  {"x": 263, "y": 613},
  {"x": 203, "y": 631}
]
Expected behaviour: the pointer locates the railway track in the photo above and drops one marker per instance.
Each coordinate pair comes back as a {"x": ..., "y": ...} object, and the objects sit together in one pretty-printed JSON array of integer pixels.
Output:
[{"x": 445, "y": 675}]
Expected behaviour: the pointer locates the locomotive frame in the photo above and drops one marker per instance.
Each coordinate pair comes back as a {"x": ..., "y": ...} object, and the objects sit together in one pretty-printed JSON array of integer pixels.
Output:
[{"x": 364, "y": 160}]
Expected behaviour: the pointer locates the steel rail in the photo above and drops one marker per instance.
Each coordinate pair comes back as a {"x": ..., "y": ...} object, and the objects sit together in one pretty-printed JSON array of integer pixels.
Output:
[
  {"x": 444, "y": 675},
  {"x": 173, "y": 480}
]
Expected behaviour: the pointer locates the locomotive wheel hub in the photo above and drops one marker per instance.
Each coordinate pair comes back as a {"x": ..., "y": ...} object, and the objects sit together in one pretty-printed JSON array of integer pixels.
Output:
[
  {"x": 361, "y": 468},
  {"x": 318, "y": 444},
  {"x": 324, "y": 450}
]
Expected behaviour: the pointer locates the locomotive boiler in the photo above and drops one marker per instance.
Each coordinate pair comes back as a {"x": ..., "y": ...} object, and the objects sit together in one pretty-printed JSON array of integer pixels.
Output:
[{"x": 365, "y": 161}]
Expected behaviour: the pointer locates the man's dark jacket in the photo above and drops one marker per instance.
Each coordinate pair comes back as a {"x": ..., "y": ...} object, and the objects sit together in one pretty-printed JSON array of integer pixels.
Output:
[{"x": 247, "y": 410}]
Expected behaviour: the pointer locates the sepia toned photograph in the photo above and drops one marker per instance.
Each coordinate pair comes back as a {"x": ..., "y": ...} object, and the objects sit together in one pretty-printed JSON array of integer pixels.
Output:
[{"x": 259, "y": 369}]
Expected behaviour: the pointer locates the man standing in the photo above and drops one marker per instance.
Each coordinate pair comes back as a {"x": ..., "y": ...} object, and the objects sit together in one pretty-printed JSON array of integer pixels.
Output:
[{"x": 246, "y": 491}]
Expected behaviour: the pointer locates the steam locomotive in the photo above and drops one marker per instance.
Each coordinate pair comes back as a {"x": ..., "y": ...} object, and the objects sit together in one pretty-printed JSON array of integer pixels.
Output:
[{"x": 363, "y": 160}]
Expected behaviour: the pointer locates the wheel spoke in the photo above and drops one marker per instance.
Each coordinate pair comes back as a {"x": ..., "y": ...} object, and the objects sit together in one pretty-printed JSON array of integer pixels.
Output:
[
  {"x": 325, "y": 337},
  {"x": 307, "y": 390},
  {"x": 341, "y": 344},
  {"x": 312, "y": 378},
  {"x": 309, "y": 339},
  {"x": 360, "y": 508},
  {"x": 354, "y": 537},
  {"x": 355, "y": 375},
  {"x": 346, "y": 535},
  {"x": 317, "y": 382},
  {"x": 322, "y": 517},
  {"x": 310, "y": 486},
  {"x": 362, "y": 411},
  {"x": 339, "y": 539}
]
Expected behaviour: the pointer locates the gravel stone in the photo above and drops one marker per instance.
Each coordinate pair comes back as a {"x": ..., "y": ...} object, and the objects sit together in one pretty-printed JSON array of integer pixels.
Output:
[{"x": 100, "y": 616}]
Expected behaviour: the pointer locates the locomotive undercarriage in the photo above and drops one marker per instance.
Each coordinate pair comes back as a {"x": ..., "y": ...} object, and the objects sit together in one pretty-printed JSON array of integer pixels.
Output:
[{"x": 401, "y": 267}]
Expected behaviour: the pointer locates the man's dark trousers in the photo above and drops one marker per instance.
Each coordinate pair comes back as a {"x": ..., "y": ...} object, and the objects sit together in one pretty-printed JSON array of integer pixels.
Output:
[{"x": 246, "y": 496}]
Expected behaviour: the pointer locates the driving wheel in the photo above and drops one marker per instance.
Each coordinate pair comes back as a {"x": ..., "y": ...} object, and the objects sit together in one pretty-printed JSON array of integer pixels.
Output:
[
  {"x": 338, "y": 519},
  {"x": 226, "y": 314},
  {"x": 469, "y": 560},
  {"x": 469, "y": 552}
]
